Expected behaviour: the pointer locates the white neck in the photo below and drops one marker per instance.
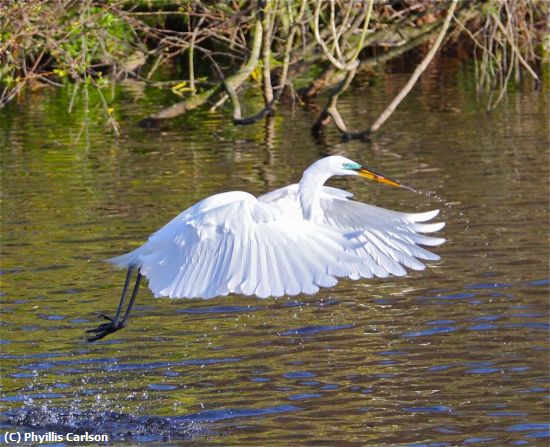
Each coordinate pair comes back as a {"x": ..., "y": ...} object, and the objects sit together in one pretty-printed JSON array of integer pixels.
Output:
[{"x": 309, "y": 189}]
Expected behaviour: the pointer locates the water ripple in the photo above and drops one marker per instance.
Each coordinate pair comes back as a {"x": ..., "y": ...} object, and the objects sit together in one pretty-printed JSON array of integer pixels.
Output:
[
  {"x": 430, "y": 331},
  {"x": 430, "y": 409},
  {"x": 310, "y": 330}
]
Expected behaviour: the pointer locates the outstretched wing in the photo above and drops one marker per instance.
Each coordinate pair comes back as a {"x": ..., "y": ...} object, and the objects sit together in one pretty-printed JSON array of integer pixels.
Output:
[
  {"x": 387, "y": 240},
  {"x": 244, "y": 246}
]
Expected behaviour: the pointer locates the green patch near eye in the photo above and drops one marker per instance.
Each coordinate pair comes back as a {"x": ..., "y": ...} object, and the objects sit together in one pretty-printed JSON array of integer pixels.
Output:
[{"x": 351, "y": 166}]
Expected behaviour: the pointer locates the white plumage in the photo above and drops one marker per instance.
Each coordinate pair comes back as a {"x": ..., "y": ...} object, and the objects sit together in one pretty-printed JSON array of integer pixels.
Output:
[{"x": 293, "y": 240}]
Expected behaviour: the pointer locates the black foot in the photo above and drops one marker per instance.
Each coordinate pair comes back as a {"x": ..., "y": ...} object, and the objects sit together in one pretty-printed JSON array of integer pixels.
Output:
[{"x": 105, "y": 329}]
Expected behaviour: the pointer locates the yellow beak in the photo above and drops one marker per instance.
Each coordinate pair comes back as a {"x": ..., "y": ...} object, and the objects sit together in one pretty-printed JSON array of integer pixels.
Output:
[{"x": 373, "y": 175}]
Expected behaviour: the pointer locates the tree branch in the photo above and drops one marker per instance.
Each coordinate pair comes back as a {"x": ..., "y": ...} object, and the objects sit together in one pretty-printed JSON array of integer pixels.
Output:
[
  {"x": 417, "y": 72},
  {"x": 230, "y": 84},
  {"x": 328, "y": 54},
  {"x": 515, "y": 48},
  {"x": 270, "y": 106},
  {"x": 330, "y": 109}
]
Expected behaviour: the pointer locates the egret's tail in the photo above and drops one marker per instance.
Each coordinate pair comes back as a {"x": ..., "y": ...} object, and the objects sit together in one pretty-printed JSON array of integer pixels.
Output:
[{"x": 131, "y": 259}]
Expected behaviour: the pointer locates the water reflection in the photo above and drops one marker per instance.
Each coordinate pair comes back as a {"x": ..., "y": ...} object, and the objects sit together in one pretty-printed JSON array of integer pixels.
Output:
[{"x": 454, "y": 355}]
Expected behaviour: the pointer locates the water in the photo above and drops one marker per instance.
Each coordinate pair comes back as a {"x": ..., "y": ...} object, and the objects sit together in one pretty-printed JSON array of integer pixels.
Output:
[{"x": 454, "y": 355}]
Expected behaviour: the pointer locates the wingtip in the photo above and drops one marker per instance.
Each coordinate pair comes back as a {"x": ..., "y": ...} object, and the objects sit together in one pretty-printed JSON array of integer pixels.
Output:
[
  {"x": 438, "y": 241},
  {"x": 428, "y": 227},
  {"x": 436, "y": 226},
  {"x": 423, "y": 217}
]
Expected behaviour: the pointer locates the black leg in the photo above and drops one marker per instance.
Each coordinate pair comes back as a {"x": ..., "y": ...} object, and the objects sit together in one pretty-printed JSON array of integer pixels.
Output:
[
  {"x": 115, "y": 324},
  {"x": 133, "y": 298},
  {"x": 123, "y": 296}
]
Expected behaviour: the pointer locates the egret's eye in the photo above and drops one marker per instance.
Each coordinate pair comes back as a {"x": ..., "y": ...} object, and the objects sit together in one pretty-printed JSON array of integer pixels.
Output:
[{"x": 351, "y": 166}]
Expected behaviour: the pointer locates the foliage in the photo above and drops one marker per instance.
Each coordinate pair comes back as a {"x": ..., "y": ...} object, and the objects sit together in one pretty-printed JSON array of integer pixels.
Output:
[
  {"x": 48, "y": 41},
  {"x": 509, "y": 39},
  {"x": 44, "y": 42}
]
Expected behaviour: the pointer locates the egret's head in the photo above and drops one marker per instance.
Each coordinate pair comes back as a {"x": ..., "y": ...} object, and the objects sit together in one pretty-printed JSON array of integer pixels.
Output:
[{"x": 339, "y": 165}]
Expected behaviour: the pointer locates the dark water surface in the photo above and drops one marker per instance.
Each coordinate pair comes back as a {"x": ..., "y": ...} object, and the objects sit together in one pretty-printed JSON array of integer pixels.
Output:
[{"x": 456, "y": 355}]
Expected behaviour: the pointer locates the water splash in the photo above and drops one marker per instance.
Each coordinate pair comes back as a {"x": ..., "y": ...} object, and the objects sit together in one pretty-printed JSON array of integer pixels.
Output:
[
  {"x": 125, "y": 426},
  {"x": 118, "y": 426}
]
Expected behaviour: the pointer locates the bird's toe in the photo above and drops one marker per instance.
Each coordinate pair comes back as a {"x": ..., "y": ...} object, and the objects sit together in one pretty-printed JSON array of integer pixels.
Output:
[{"x": 104, "y": 329}]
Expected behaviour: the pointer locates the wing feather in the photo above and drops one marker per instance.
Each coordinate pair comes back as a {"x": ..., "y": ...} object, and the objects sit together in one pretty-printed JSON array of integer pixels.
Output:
[
  {"x": 276, "y": 279},
  {"x": 250, "y": 272},
  {"x": 262, "y": 289},
  {"x": 388, "y": 240},
  {"x": 218, "y": 284},
  {"x": 191, "y": 276},
  {"x": 237, "y": 259},
  {"x": 405, "y": 252},
  {"x": 283, "y": 261}
]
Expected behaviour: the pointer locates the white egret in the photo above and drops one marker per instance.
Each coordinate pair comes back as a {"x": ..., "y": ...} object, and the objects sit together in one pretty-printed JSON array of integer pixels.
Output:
[{"x": 293, "y": 240}]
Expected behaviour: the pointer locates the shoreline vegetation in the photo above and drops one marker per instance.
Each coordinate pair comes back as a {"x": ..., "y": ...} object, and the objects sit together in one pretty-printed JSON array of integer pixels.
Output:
[{"x": 290, "y": 50}]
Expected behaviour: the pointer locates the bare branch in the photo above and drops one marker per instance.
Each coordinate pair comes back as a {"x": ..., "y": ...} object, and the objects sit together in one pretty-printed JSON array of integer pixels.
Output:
[
  {"x": 515, "y": 48},
  {"x": 328, "y": 54},
  {"x": 270, "y": 106},
  {"x": 417, "y": 72},
  {"x": 330, "y": 109}
]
